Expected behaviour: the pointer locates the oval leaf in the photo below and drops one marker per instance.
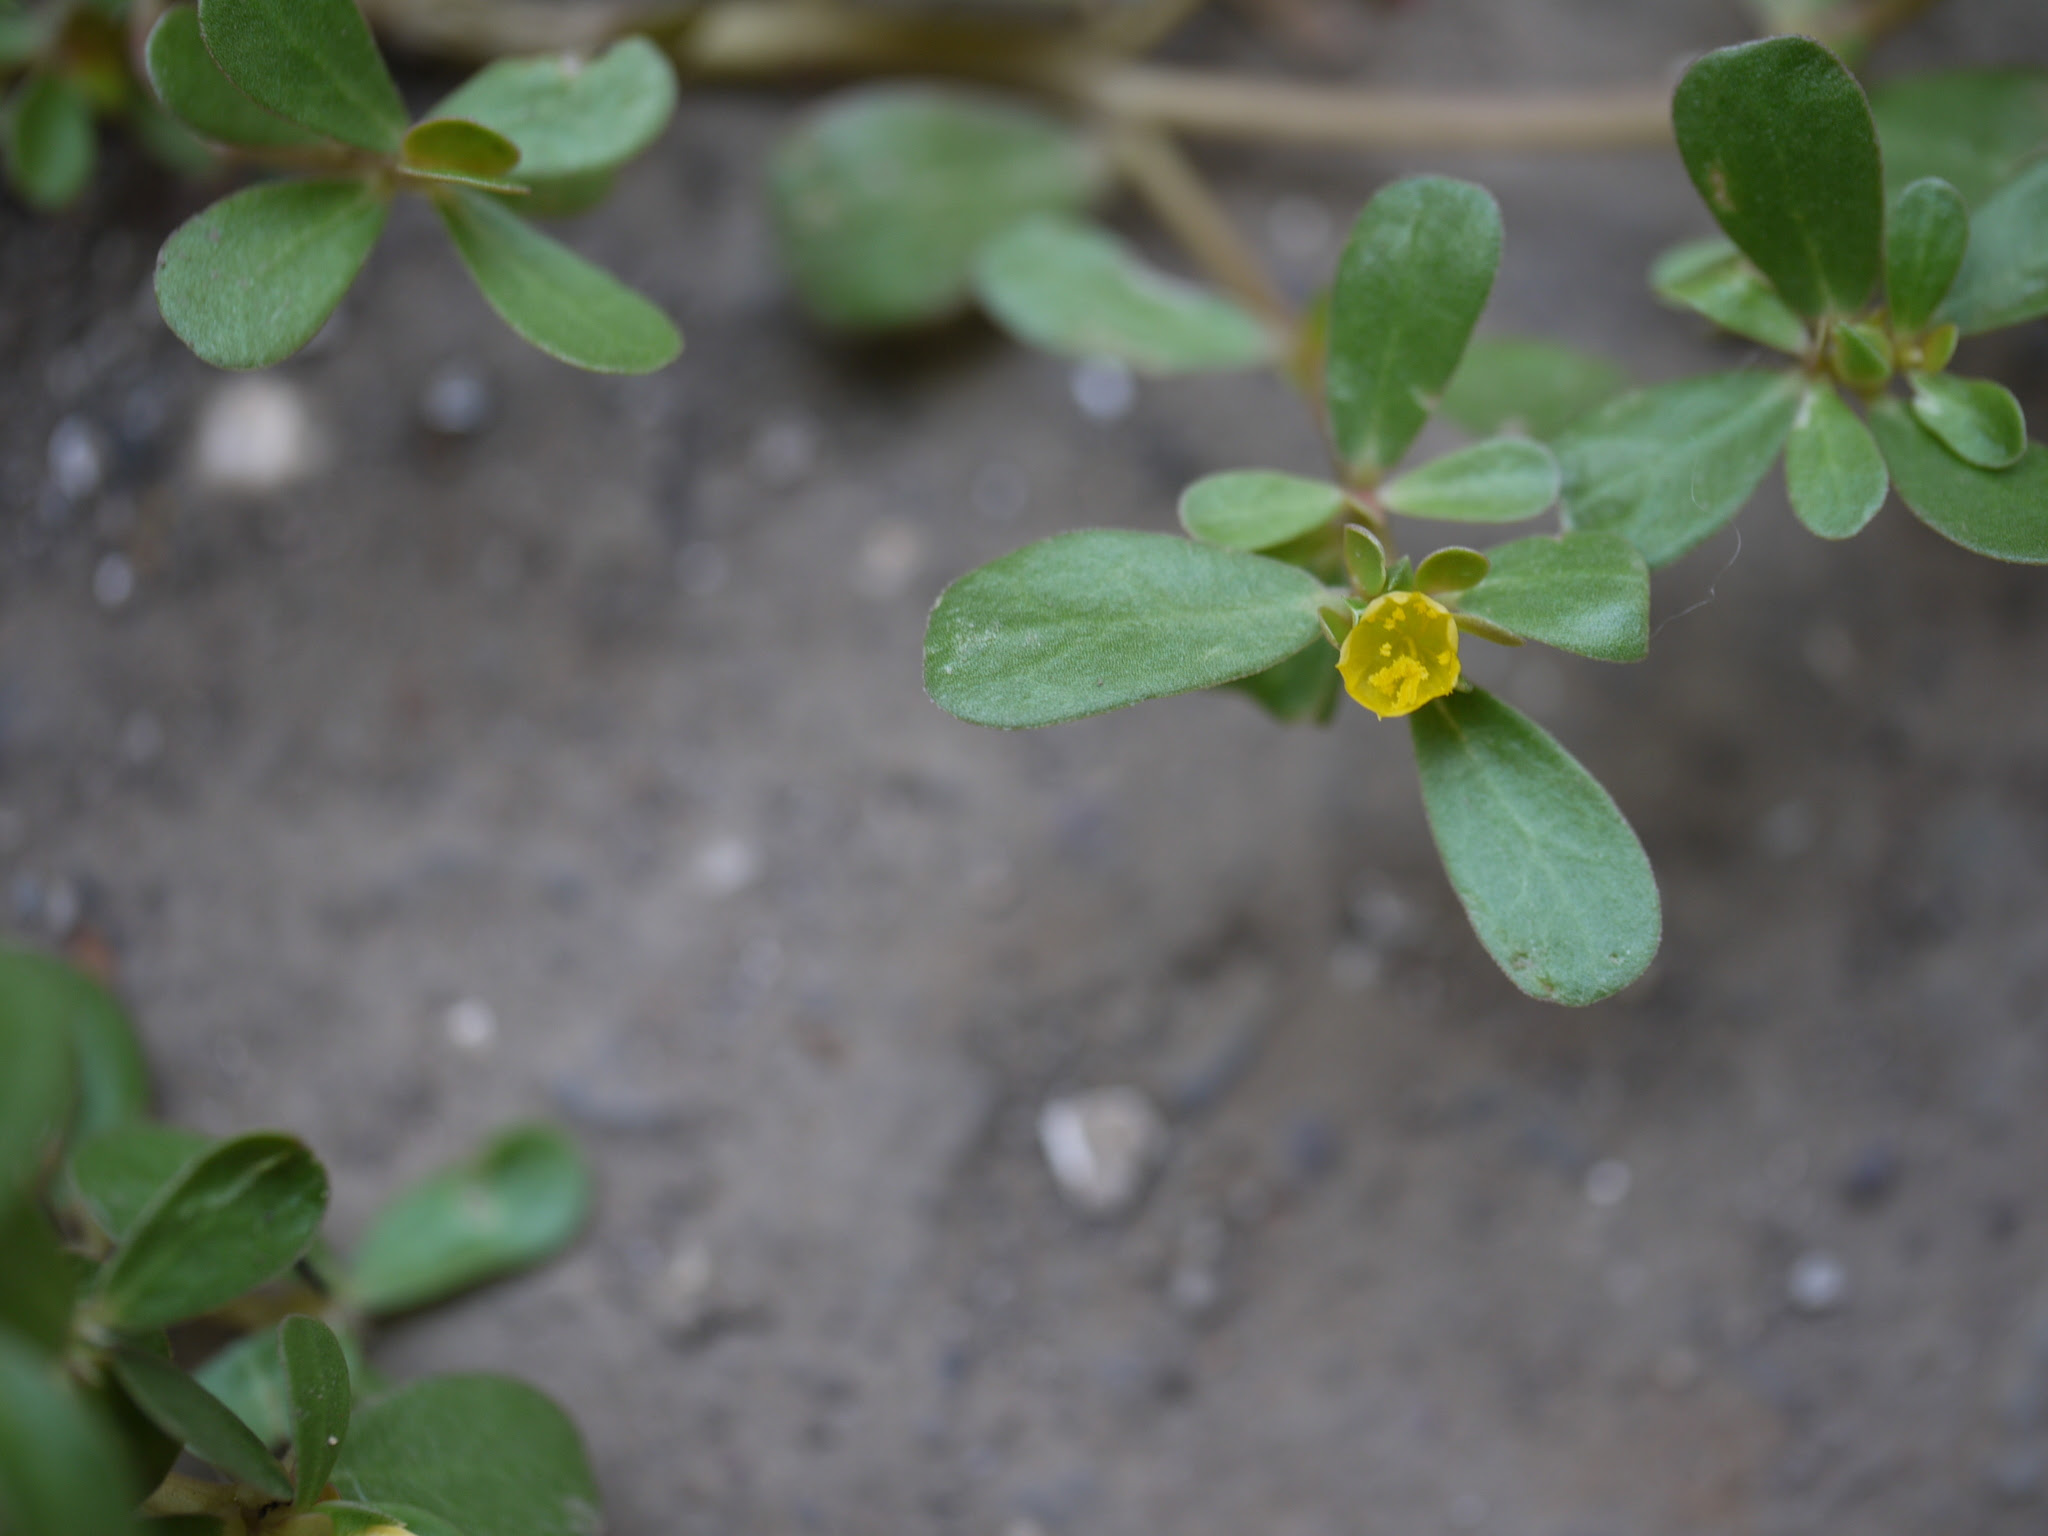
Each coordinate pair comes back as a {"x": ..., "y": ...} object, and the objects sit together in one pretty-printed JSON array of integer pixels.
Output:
[
  {"x": 1524, "y": 384},
  {"x": 572, "y": 117},
  {"x": 39, "y": 1281},
  {"x": 459, "y": 150},
  {"x": 193, "y": 90},
  {"x": 1503, "y": 480},
  {"x": 2002, "y": 513},
  {"x": 1451, "y": 570},
  {"x": 61, "y": 1466},
  {"x": 1925, "y": 237},
  {"x": 519, "y": 1200},
  {"x": 1714, "y": 279},
  {"x": 1076, "y": 291},
  {"x": 1553, "y": 879},
  {"x": 1411, "y": 283},
  {"x": 1980, "y": 421},
  {"x": 37, "y": 1089},
  {"x": 249, "y": 281},
  {"x": 62, "y": 1001},
  {"x": 1588, "y": 593},
  {"x": 480, "y": 1452},
  {"x": 1087, "y": 622},
  {"x": 312, "y": 62},
  {"x": 883, "y": 197},
  {"x": 1255, "y": 509},
  {"x": 118, "y": 1172},
  {"x": 1975, "y": 129},
  {"x": 248, "y": 1376},
  {"x": 49, "y": 142},
  {"x": 198, "y": 1420},
  {"x": 2004, "y": 276},
  {"x": 319, "y": 1398},
  {"x": 1666, "y": 467},
  {"x": 554, "y": 298},
  {"x": 1778, "y": 139},
  {"x": 1834, "y": 474},
  {"x": 230, "y": 1221}
]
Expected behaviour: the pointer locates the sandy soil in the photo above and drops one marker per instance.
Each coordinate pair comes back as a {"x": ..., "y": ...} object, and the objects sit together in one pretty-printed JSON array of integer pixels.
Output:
[{"x": 606, "y": 717}]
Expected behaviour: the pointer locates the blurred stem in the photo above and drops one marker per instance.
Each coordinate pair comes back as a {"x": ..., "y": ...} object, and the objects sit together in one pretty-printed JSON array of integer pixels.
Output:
[{"x": 1177, "y": 195}]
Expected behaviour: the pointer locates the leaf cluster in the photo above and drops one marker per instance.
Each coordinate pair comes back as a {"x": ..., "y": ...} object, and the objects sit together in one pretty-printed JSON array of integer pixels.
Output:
[
  {"x": 129, "y": 1242},
  {"x": 299, "y": 85}
]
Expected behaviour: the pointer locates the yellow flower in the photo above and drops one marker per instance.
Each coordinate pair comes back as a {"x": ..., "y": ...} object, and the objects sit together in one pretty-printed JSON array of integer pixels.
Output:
[{"x": 1402, "y": 652}]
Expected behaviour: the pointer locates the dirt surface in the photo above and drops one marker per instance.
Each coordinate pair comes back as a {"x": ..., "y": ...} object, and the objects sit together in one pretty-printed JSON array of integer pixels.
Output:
[{"x": 578, "y": 766}]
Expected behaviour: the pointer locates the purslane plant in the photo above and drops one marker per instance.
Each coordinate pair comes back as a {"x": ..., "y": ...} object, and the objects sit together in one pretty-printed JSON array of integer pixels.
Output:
[{"x": 128, "y": 1243}]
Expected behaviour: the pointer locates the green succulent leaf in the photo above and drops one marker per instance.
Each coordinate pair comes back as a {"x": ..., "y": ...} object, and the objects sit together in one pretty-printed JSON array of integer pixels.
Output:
[
  {"x": 1834, "y": 474},
  {"x": 193, "y": 90},
  {"x": 249, "y": 281},
  {"x": 1925, "y": 237},
  {"x": 23, "y": 37},
  {"x": 1524, "y": 384},
  {"x": 883, "y": 197},
  {"x": 51, "y": 998},
  {"x": 248, "y": 1375},
  {"x": 232, "y": 1219},
  {"x": 520, "y": 1199},
  {"x": 1071, "y": 289},
  {"x": 39, "y": 1280},
  {"x": 320, "y": 1398},
  {"x": 1087, "y": 622},
  {"x": 572, "y": 118},
  {"x": 312, "y": 62},
  {"x": 1258, "y": 509},
  {"x": 118, "y": 1172},
  {"x": 1777, "y": 137},
  {"x": 198, "y": 1420},
  {"x": 49, "y": 142},
  {"x": 554, "y": 298},
  {"x": 1306, "y": 686},
  {"x": 61, "y": 1465},
  {"x": 1451, "y": 570},
  {"x": 1554, "y": 881},
  {"x": 1975, "y": 129},
  {"x": 1502, "y": 480},
  {"x": 479, "y": 1452},
  {"x": 1666, "y": 467},
  {"x": 1980, "y": 422},
  {"x": 2004, "y": 276},
  {"x": 1410, "y": 285},
  {"x": 1587, "y": 593},
  {"x": 37, "y": 1090},
  {"x": 2002, "y": 513},
  {"x": 1714, "y": 279},
  {"x": 1365, "y": 558},
  {"x": 468, "y": 154}
]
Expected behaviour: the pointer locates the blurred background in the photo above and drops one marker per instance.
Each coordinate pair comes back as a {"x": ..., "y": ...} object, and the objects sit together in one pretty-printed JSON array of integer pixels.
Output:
[{"x": 427, "y": 734}]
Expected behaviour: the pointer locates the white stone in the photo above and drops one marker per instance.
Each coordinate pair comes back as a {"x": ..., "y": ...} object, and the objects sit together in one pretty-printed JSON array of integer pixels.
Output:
[
  {"x": 1102, "y": 1146},
  {"x": 256, "y": 434}
]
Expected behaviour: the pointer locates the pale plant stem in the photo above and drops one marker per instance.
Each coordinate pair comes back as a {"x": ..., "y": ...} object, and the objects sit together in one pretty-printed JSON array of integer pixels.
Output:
[{"x": 1182, "y": 201}]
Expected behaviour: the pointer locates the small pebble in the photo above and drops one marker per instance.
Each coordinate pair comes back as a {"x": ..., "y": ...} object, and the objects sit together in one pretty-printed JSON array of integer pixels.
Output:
[
  {"x": 113, "y": 581},
  {"x": 471, "y": 1024},
  {"x": 1608, "y": 1183},
  {"x": 256, "y": 434},
  {"x": 890, "y": 559},
  {"x": 1103, "y": 388},
  {"x": 457, "y": 402},
  {"x": 77, "y": 464},
  {"x": 1102, "y": 1146},
  {"x": 1817, "y": 1283},
  {"x": 725, "y": 866}
]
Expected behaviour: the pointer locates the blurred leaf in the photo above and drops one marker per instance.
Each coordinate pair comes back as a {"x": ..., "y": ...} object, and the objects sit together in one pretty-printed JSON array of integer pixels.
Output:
[
  {"x": 118, "y": 1172},
  {"x": 1410, "y": 285},
  {"x": 198, "y": 1420},
  {"x": 1087, "y": 622},
  {"x": 1979, "y": 421},
  {"x": 249, "y": 281},
  {"x": 1926, "y": 234},
  {"x": 2002, "y": 513},
  {"x": 481, "y": 1452},
  {"x": 883, "y": 197},
  {"x": 1306, "y": 686},
  {"x": 2004, "y": 276},
  {"x": 50, "y": 142},
  {"x": 572, "y": 118},
  {"x": 1258, "y": 509},
  {"x": 1517, "y": 383},
  {"x": 310, "y": 61},
  {"x": 1502, "y": 480},
  {"x": 60, "y": 1000},
  {"x": 193, "y": 89},
  {"x": 1714, "y": 279},
  {"x": 1975, "y": 129},
  {"x": 520, "y": 1199},
  {"x": 468, "y": 154},
  {"x": 554, "y": 298},
  {"x": 1666, "y": 467},
  {"x": 1587, "y": 593},
  {"x": 37, "y": 1086},
  {"x": 147, "y": 1450},
  {"x": 1834, "y": 474},
  {"x": 39, "y": 1279},
  {"x": 1779, "y": 141},
  {"x": 231, "y": 1220},
  {"x": 1862, "y": 356},
  {"x": 61, "y": 1469},
  {"x": 1076, "y": 291},
  {"x": 248, "y": 1375},
  {"x": 321, "y": 1396},
  {"x": 23, "y": 36},
  {"x": 169, "y": 142},
  {"x": 1553, "y": 880},
  {"x": 1451, "y": 570}
]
